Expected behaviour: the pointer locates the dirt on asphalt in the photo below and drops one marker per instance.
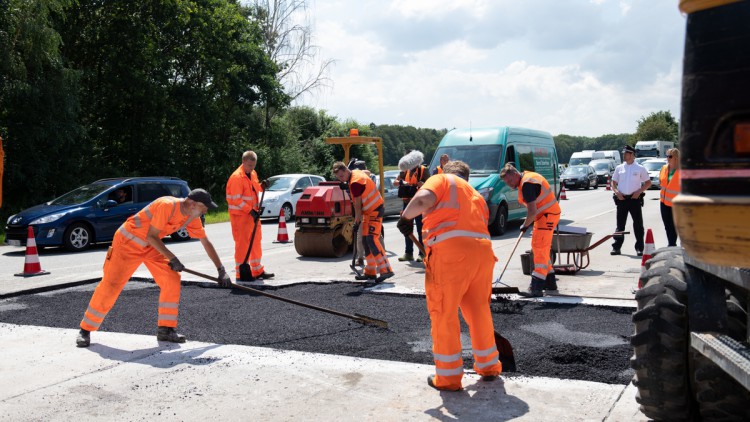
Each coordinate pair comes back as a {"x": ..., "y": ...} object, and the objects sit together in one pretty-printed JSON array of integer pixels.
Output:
[{"x": 552, "y": 340}]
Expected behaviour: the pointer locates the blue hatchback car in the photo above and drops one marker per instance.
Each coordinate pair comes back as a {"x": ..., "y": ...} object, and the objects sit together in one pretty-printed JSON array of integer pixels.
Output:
[{"x": 91, "y": 213}]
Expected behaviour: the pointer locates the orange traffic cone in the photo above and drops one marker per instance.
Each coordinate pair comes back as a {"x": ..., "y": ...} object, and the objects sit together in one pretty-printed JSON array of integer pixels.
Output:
[
  {"x": 283, "y": 236},
  {"x": 562, "y": 193},
  {"x": 609, "y": 184},
  {"x": 648, "y": 251},
  {"x": 31, "y": 266}
]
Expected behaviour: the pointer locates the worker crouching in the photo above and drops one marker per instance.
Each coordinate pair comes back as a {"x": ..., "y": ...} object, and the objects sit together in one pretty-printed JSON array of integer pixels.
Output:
[
  {"x": 459, "y": 265},
  {"x": 138, "y": 241},
  {"x": 368, "y": 215},
  {"x": 543, "y": 212}
]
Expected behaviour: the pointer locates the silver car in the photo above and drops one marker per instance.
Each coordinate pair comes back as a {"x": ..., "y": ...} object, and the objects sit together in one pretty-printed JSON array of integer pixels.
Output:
[{"x": 393, "y": 204}]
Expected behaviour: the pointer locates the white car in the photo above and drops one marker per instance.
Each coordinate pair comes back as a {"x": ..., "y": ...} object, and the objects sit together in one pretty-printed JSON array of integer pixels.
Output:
[
  {"x": 283, "y": 191},
  {"x": 654, "y": 166}
]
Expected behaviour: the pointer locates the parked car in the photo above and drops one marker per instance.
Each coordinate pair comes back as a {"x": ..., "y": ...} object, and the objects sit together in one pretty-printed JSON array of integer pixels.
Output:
[
  {"x": 283, "y": 191},
  {"x": 91, "y": 213},
  {"x": 582, "y": 177},
  {"x": 654, "y": 166},
  {"x": 604, "y": 169},
  {"x": 640, "y": 160},
  {"x": 392, "y": 203}
]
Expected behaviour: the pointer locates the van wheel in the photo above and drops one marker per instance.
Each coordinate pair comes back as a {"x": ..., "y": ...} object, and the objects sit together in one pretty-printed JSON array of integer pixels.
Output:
[
  {"x": 180, "y": 235},
  {"x": 78, "y": 237},
  {"x": 500, "y": 225}
]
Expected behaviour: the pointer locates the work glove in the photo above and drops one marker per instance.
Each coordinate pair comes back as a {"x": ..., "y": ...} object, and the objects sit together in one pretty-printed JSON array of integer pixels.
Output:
[
  {"x": 264, "y": 184},
  {"x": 224, "y": 280},
  {"x": 524, "y": 228},
  {"x": 176, "y": 265},
  {"x": 405, "y": 226},
  {"x": 255, "y": 214}
]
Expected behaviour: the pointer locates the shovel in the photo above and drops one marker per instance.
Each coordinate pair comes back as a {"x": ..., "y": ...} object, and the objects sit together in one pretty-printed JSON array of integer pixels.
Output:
[
  {"x": 246, "y": 274},
  {"x": 356, "y": 317},
  {"x": 354, "y": 268}
]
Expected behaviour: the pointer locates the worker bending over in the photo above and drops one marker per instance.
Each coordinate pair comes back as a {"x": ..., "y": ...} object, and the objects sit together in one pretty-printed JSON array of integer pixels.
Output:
[
  {"x": 138, "y": 241},
  {"x": 245, "y": 210},
  {"x": 458, "y": 275},
  {"x": 543, "y": 212},
  {"x": 368, "y": 215}
]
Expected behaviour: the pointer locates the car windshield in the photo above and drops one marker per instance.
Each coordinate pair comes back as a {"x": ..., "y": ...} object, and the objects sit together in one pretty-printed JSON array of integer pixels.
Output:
[
  {"x": 482, "y": 159},
  {"x": 81, "y": 195},
  {"x": 601, "y": 166},
  {"x": 653, "y": 165},
  {"x": 277, "y": 183},
  {"x": 572, "y": 171}
]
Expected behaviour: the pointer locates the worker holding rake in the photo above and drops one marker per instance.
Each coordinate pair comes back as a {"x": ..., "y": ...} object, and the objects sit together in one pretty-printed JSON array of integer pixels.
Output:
[
  {"x": 543, "y": 212},
  {"x": 459, "y": 265}
]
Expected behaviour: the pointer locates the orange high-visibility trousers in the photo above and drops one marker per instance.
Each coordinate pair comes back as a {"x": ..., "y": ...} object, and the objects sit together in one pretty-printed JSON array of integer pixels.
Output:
[
  {"x": 459, "y": 276},
  {"x": 541, "y": 243},
  {"x": 376, "y": 261},
  {"x": 123, "y": 258},
  {"x": 242, "y": 229}
]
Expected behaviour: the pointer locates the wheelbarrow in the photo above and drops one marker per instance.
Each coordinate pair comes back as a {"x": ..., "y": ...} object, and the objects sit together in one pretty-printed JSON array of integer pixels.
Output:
[{"x": 577, "y": 247}]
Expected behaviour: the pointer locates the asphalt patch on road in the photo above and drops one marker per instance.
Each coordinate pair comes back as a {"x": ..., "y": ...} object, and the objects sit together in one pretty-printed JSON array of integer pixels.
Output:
[{"x": 552, "y": 340}]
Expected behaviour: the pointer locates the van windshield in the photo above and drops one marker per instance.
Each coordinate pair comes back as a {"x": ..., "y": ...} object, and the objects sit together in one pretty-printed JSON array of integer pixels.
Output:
[
  {"x": 579, "y": 161},
  {"x": 647, "y": 152},
  {"x": 482, "y": 159},
  {"x": 81, "y": 195}
]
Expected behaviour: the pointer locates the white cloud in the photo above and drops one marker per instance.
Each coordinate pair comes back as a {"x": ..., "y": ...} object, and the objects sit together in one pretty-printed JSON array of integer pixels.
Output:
[{"x": 581, "y": 68}]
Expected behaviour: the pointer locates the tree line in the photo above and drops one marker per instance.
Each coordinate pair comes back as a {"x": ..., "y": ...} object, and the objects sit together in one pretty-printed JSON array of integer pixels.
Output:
[{"x": 93, "y": 88}]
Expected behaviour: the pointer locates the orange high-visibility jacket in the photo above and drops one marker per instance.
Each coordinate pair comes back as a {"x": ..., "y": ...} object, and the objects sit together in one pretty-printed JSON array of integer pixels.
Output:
[
  {"x": 669, "y": 189},
  {"x": 371, "y": 198},
  {"x": 163, "y": 214},
  {"x": 545, "y": 202},
  {"x": 242, "y": 192},
  {"x": 459, "y": 212},
  {"x": 439, "y": 170}
]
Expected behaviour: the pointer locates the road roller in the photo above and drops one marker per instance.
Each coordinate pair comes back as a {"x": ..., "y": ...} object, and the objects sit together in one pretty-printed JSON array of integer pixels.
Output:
[{"x": 324, "y": 222}]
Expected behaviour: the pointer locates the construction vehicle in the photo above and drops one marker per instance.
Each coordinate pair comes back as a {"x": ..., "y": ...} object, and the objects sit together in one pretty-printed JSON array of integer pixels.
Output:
[
  {"x": 691, "y": 342},
  {"x": 325, "y": 215}
]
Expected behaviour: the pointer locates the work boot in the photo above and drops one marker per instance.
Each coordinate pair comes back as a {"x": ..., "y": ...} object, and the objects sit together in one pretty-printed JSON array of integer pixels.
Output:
[
  {"x": 406, "y": 257},
  {"x": 264, "y": 275},
  {"x": 535, "y": 288},
  {"x": 431, "y": 383},
  {"x": 169, "y": 334},
  {"x": 364, "y": 277},
  {"x": 84, "y": 338},
  {"x": 384, "y": 276},
  {"x": 550, "y": 283},
  {"x": 420, "y": 258}
]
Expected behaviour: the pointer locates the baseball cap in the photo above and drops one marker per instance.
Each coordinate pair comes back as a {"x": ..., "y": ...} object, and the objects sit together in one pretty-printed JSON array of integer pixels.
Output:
[
  {"x": 628, "y": 148},
  {"x": 200, "y": 195}
]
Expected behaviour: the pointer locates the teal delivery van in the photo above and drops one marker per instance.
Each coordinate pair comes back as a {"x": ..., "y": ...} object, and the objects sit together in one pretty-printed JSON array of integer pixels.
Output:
[{"x": 486, "y": 150}]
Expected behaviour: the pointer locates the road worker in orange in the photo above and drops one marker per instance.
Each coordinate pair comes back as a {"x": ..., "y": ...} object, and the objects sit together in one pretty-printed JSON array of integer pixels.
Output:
[
  {"x": 138, "y": 241},
  {"x": 243, "y": 199},
  {"x": 543, "y": 212},
  {"x": 368, "y": 214},
  {"x": 458, "y": 275},
  {"x": 444, "y": 158},
  {"x": 669, "y": 182}
]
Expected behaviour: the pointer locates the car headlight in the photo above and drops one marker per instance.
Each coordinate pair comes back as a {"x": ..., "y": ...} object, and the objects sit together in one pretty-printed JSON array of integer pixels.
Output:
[
  {"x": 10, "y": 218},
  {"x": 48, "y": 218},
  {"x": 270, "y": 199},
  {"x": 486, "y": 193}
]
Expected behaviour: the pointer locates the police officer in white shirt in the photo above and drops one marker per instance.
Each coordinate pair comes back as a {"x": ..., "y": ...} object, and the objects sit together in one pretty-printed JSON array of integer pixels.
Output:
[{"x": 629, "y": 183}]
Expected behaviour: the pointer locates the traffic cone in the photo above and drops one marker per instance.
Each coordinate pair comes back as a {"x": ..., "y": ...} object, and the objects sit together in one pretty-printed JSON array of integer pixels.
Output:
[
  {"x": 562, "y": 193},
  {"x": 648, "y": 251},
  {"x": 31, "y": 266},
  {"x": 283, "y": 236},
  {"x": 609, "y": 184}
]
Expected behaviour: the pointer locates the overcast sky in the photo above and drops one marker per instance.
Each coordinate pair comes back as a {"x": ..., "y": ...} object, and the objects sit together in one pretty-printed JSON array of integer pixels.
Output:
[{"x": 579, "y": 67}]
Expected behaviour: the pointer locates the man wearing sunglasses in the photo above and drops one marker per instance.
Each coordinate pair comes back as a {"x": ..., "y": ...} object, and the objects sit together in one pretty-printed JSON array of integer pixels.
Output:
[{"x": 629, "y": 183}]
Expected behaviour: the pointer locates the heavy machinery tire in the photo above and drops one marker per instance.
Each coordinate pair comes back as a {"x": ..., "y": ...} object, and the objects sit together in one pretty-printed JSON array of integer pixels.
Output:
[
  {"x": 500, "y": 224},
  {"x": 661, "y": 340},
  {"x": 78, "y": 237},
  {"x": 720, "y": 397}
]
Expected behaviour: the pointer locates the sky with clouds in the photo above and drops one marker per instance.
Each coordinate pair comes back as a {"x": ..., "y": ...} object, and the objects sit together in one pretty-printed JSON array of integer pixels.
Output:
[{"x": 579, "y": 67}]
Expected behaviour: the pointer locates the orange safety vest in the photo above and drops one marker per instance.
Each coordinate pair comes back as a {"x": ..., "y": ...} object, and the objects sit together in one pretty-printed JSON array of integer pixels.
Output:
[
  {"x": 459, "y": 212},
  {"x": 163, "y": 213},
  {"x": 412, "y": 177},
  {"x": 439, "y": 170},
  {"x": 545, "y": 202},
  {"x": 668, "y": 189},
  {"x": 242, "y": 192},
  {"x": 371, "y": 198}
]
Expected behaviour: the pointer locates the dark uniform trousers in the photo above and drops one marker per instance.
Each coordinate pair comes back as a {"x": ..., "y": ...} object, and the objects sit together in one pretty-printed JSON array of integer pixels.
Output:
[{"x": 633, "y": 207}]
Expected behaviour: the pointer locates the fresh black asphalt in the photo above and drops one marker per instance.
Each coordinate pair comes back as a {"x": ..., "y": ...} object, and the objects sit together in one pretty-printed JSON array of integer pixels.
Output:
[{"x": 552, "y": 340}]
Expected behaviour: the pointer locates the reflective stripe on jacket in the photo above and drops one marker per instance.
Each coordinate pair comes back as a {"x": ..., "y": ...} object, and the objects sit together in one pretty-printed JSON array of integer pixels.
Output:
[
  {"x": 163, "y": 213},
  {"x": 545, "y": 202},
  {"x": 668, "y": 189},
  {"x": 242, "y": 192},
  {"x": 371, "y": 198},
  {"x": 459, "y": 211}
]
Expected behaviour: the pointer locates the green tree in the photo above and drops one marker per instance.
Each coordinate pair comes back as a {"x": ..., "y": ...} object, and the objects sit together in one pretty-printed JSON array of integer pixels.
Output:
[{"x": 660, "y": 125}]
